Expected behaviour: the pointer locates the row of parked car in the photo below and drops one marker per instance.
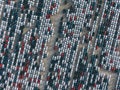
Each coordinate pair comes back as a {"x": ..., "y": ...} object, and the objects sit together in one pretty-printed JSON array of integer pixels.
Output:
[
  {"x": 89, "y": 38},
  {"x": 88, "y": 24},
  {"x": 22, "y": 53}
]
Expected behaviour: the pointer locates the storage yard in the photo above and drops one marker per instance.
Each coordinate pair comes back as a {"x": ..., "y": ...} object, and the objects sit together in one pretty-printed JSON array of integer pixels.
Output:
[{"x": 59, "y": 44}]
